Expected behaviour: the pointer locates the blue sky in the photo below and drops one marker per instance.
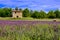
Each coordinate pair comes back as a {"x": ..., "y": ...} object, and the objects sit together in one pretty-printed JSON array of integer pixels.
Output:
[{"x": 45, "y": 5}]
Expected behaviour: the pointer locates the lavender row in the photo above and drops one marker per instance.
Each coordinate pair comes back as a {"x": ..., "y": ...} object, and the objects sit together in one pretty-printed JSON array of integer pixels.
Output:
[{"x": 20, "y": 22}]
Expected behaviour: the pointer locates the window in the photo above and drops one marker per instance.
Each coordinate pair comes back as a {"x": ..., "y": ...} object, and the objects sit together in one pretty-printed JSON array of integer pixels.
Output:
[
  {"x": 17, "y": 16},
  {"x": 15, "y": 12}
]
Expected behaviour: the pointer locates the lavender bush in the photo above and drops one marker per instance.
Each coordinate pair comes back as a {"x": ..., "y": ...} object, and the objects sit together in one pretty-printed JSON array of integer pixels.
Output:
[{"x": 29, "y": 30}]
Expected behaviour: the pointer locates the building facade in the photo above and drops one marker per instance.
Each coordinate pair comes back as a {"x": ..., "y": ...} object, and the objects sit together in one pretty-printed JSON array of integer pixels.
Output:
[{"x": 16, "y": 14}]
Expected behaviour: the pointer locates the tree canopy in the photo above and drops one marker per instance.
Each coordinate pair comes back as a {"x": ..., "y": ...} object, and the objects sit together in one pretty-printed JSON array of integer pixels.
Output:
[
  {"x": 7, "y": 12},
  {"x": 51, "y": 14}
]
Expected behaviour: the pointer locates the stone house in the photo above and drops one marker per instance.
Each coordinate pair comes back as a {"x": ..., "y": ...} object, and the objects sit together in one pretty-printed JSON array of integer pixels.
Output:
[{"x": 16, "y": 14}]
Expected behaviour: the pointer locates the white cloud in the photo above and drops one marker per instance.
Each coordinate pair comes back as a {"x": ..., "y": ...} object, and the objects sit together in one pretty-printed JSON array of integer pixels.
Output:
[{"x": 32, "y": 4}]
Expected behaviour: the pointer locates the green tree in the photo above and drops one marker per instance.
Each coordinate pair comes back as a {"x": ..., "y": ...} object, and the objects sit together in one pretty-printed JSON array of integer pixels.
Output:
[
  {"x": 51, "y": 14},
  {"x": 16, "y": 8},
  {"x": 35, "y": 14},
  {"x": 8, "y": 12},
  {"x": 42, "y": 14},
  {"x": 5, "y": 12},
  {"x": 20, "y": 9},
  {"x": 31, "y": 12},
  {"x": 57, "y": 12},
  {"x": 2, "y": 13},
  {"x": 26, "y": 13}
]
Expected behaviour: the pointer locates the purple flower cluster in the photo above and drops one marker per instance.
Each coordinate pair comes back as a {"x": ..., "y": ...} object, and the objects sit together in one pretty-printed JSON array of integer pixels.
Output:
[
  {"x": 20, "y": 22},
  {"x": 32, "y": 29}
]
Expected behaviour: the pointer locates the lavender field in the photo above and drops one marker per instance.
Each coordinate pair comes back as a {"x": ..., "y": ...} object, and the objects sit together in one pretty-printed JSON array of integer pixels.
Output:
[
  {"x": 20, "y": 22},
  {"x": 29, "y": 30}
]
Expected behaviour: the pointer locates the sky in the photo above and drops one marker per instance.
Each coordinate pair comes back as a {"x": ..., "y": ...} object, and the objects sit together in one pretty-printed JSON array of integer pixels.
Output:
[{"x": 45, "y": 5}]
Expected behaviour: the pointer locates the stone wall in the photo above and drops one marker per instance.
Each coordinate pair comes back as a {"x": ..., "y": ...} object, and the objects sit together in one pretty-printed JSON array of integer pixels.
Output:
[{"x": 17, "y": 15}]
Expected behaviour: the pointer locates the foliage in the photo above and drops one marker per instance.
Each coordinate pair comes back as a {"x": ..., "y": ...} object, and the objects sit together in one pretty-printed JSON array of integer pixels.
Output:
[
  {"x": 7, "y": 12},
  {"x": 34, "y": 32},
  {"x": 51, "y": 14},
  {"x": 35, "y": 14},
  {"x": 29, "y": 30},
  {"x": 26, "y": 13},
  {"x": 42, "y": 14},
  {"x": 16, "y": 8},
  {"x": 57, "y": 12}
]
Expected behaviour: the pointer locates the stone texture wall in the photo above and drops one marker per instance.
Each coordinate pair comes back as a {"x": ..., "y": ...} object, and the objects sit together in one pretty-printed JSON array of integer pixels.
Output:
[{"x": 17, "y": 15}]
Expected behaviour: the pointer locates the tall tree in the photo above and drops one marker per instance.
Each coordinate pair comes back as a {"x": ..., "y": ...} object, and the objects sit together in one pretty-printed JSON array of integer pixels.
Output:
[
  {"x": 16, "y": 8},
  {"x": 51, "y": 14},
  {"x": 8, "y": 12},
  {"x": 31, "y": 12},
  {"x": 26, "y": 13},
  {"x": 57, "y": 12},
  {"x": 35, "y": 14},
  {"x": 42, "y": 14},
  {"x": 5, "y": 12}
]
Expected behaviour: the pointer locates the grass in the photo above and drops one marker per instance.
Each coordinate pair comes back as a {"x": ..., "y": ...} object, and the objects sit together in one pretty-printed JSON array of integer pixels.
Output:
[
  {"x": 9, "y": 18},
  {"x": 32, "y": 32},
  {"x": 28, "y": 19},
  {"x": 36, "y": 32}
]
